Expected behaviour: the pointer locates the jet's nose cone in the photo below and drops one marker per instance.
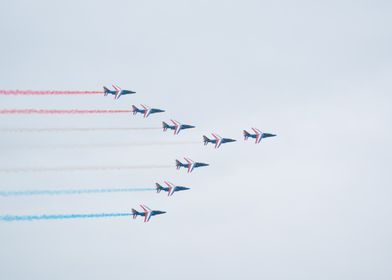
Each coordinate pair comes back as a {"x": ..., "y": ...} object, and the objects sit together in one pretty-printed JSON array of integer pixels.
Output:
[{"x": 232, "y": 140}]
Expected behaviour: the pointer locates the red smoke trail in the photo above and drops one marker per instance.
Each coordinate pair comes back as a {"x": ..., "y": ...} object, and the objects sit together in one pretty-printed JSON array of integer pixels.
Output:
[
  {"x": 69, "y": 111},
  {"x": 98, "y": 146},
  {"x": 82, "y": 168},
  {"x": 47, "y": 92},
  {"x": 76, "y": 129}
]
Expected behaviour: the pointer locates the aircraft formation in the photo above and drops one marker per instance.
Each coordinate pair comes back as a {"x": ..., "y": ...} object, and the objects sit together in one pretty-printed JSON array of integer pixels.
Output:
[
  {"x": 188, "y": 164},
  {"x": 175, "y": 126}
]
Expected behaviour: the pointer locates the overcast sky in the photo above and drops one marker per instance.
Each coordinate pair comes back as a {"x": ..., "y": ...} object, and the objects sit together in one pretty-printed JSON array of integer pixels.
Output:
[{"x": 312, "y": 203}]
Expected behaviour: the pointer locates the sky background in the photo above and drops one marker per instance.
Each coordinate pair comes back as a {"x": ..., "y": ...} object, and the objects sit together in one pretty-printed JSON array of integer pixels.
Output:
[{"x": 312, "y": 203}]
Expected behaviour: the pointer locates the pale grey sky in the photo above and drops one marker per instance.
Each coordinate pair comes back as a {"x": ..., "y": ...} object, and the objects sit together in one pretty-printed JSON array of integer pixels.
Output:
[{"x": 312, "y": 203}]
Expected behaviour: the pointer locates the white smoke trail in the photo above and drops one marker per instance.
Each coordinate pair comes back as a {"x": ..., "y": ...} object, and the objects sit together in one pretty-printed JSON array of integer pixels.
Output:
[
  {"x": 13, "y": 218},
  {"x": 48, "y": 92},
  {"x": 72, "y": 191},
  {"x": 98, "y": 146}
]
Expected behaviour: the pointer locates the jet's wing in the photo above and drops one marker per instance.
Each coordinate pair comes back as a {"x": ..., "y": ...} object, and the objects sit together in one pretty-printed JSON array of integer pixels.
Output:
[
  {"x": 191, "y": 164},
  {"x": 171, "y": 188},
  {"x": 258, "y": 135},
  {"x": 147, "y": 212},
  {"x": 177, "y": 127},
  {"x": 147, "y": 110},
  {"x": 145, "y": 107},
  {"x": 117, "y": 92},
  {"x": 218, "y": 140},
  {"x": 169, "y": 184}
]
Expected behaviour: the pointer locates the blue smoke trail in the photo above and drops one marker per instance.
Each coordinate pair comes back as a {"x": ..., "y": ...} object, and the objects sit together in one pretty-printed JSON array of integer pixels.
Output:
[
  {"x": 11, "y": 218},
  {"x": 68, "y": 192}
]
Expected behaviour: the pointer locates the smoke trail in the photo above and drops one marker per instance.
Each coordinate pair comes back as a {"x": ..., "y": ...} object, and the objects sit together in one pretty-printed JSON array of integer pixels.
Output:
[
  {"x": 48, "y": 92},
  {"x": 72, "y": 192},
  {"x": 12, "y": 218},
  {"x": 83, "y": 129},
  {"x": 126, "y": 145},
  {"x": 98, "y": 146},
  {"x": 66, "y": 111},
  {"x": 85, "y": 168}
]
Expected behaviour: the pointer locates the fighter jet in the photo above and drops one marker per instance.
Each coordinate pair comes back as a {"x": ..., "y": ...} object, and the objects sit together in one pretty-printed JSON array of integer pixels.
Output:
[
  {"x": 146, "y": 111},
  {"x": 258, "y": 135},
  {"x": 177, "y": 127},
  {"x": 117, "y": 92},
  {"x": 190, "y": 165},
  {"x": 218, "y": 141},
  {"x": 170, "y": 189},
  {"x": 147, "y": 213}
]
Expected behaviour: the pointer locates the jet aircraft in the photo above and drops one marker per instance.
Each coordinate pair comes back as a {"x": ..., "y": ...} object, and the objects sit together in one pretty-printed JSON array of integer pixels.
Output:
[
  {"x": 146, "y": 111},
  {"x": 190, "y": 165},
  {"x": 258, "y": 135},
  {"x": 117, "y": 92},
  {"x": 218, "y": 141},
  {"x": 170, "y": 189},
  {"x": 177, "y": 127},
  {"x": 147, "y": 213}
]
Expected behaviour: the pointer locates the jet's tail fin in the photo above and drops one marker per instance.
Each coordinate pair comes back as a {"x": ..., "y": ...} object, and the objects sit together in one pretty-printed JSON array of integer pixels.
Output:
[
  {"x": 165, "y": 126},
  {"x": 178, "y": 164},
  {"x": 105, "y": 91},
  {"x": 135, "y": 109},
  {"x": 134, "y": 213},
  {"x": 246, "y": 135},
  {"x": 206, "y": 140},
  {"x": 158, "y": 187}
]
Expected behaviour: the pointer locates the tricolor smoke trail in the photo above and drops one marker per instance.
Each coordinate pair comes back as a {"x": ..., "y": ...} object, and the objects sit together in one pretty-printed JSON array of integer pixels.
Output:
[
  {"x": 12, "y": 218},
  {"x": 49, "y": 92},
  {"x": 81, "y": 129},
  {"x": 72, "y": 192},
  {"x": 57, "y": 112},
  {"x": 82, "y": 168}
]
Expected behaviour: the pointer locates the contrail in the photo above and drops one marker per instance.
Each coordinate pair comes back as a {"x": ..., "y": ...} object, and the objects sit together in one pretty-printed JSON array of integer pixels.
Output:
[
  {"x": 84, "y": 168},
  {"x": 82, "y": 129},
  {"x": 71, "y": 192},
  {"x": 48, "y": 92},
  {"x": 66, "y": 111},
  {"x": 12, "y": 218}
]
